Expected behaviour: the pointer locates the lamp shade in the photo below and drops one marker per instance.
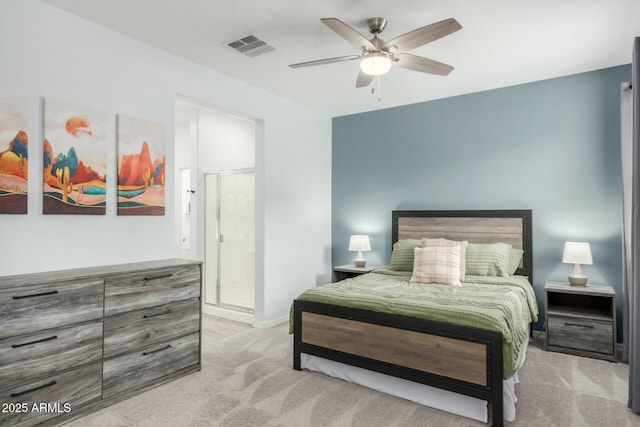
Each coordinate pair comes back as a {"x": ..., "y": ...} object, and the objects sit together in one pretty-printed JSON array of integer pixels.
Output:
[
  {"x": 375, "y": 63},
  {"x": 359, "y": 243},
  {"x": 577, "y": 253}
]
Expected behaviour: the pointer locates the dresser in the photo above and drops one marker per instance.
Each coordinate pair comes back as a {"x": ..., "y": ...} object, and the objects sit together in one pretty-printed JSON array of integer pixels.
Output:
[{"x": 75, "y": 341}]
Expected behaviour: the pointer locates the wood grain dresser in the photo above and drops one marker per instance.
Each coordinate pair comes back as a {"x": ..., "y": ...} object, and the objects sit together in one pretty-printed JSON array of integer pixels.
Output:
[{"x": 75, "y": 341}]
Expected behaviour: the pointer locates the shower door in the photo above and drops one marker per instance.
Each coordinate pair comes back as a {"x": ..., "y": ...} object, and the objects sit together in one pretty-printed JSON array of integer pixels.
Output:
[{"x": 230, "y": 240}]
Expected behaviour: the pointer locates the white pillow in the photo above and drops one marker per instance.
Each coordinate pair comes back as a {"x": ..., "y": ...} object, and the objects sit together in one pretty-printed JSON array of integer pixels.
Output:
[
  {"x": 438, "y": 264},
  {"x": 429, "y": 243}
]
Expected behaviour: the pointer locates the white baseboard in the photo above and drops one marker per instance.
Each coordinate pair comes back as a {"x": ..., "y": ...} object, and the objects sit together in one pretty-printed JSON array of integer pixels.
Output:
[
  {"x": 228, "y": 314},
  {"x": 271, "y": 323},
  {"x": 242, "y": 317}
]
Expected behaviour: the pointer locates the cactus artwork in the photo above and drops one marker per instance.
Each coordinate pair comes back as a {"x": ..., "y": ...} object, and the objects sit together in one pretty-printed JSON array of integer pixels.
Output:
[
  {"x": 148, "y": 181},
  {"x": 14, "y": 154},
  {"x": 74, "y": 159},
  {"x": 141, "y": 167},
  {"x": 22, "y": 165},
  {"x": 64, "y": 183}
]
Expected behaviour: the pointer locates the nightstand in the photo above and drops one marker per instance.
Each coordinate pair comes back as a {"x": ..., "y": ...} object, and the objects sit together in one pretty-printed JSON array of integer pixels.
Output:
[
  {"x": 348, "y": 271},
  {"x": 581, "y": 320}
]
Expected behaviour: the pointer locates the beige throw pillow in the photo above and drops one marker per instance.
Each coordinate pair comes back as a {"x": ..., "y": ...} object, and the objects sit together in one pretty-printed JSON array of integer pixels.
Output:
[
  {"x": 438, "y": 264},
  {"x": 430, "y": 243}
]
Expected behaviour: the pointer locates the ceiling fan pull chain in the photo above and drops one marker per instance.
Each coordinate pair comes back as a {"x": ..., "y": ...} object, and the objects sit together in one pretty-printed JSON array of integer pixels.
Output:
[{"x": 373, "y": 91}]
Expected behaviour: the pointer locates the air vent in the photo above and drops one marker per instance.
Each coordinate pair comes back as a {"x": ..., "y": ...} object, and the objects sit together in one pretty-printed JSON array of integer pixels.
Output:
[{"x": 250, "y": 45}]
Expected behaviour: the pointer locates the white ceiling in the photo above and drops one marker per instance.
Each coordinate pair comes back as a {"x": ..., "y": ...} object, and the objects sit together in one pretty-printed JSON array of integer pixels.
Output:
[{"x": 502, "y": 42}]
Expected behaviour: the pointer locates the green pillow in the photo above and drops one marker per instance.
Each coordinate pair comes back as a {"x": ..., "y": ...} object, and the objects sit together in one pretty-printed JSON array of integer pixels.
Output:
[
  {"x": 402, "y": 255},
  {"x": 487, "y": 259},
  {"x": 514, "y": 259}
]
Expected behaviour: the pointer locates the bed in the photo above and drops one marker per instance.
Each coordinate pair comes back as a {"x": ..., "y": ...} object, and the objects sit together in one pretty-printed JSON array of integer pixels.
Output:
[{"x": 415, "y": 354}]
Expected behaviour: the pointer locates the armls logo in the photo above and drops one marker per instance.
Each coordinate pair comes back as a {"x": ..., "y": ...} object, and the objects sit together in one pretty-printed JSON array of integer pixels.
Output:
[{"x": 60, "y": 408}]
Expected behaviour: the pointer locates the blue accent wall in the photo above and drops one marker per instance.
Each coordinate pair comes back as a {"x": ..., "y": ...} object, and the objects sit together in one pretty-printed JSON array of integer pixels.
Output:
[{"x": 551, "y": 146}]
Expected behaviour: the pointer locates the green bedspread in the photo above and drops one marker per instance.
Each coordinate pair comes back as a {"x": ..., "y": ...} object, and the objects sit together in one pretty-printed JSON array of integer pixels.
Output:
[{"x": 504, "y": 304}]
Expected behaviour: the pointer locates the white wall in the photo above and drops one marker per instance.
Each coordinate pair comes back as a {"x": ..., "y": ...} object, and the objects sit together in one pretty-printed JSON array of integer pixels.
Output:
[
  {"x": 185, "y": 137},
  {"x": 50, "y": 53},
  {"x": 225, "y": 141}
]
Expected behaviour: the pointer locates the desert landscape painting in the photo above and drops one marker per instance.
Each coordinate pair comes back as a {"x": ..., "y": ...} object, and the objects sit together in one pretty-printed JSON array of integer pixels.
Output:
[
  {"x": 141, "y": 167},
  {"x": 14, "y": 159},
  {"x": 74, "y": 159}
]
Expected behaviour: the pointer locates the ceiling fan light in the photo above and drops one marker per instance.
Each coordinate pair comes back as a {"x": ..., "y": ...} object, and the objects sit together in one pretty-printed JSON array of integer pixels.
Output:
[{"x": 375, "y": 63}]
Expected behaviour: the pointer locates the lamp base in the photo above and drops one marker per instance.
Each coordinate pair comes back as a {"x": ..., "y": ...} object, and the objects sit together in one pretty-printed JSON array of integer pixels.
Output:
[
  {"x": 360, "y": 263},
  {"x": 578, "y": 281}
]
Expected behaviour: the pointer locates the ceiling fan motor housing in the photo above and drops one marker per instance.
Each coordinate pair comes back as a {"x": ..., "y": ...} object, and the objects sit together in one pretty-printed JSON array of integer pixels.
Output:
[
  {"x": 376, "y": 25},
  {"x": 377, "y": 43}
]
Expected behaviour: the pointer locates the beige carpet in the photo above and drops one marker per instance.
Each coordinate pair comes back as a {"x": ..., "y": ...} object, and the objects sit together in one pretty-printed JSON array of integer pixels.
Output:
[{"x": 247, "y": 380}]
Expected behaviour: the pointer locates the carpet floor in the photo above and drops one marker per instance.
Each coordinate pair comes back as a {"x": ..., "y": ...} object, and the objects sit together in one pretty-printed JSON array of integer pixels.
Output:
[{"x": 247, "y": 380}]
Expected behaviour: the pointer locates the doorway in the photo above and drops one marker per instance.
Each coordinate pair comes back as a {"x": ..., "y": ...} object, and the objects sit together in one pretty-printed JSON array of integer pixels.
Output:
[
  {"x": 230, "y": 239},
  {"x": 215, "y": 163}
]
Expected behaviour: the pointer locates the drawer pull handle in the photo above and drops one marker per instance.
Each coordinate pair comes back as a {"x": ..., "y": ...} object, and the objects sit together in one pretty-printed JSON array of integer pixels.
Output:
[
  {"x": 162, "y": 276},
  {"x": 147, "y": 316},
  {"x": 146, "y": 353},
  {"x": 579, "y": 325},
  {"x": 34, "y": 342},
  {"x": 33, "y": 389},
  {"x": 36, "y": 295}
]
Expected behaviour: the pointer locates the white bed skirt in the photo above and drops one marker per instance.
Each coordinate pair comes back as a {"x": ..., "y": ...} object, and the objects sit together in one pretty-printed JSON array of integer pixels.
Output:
[{"x": 444, "y": 400}]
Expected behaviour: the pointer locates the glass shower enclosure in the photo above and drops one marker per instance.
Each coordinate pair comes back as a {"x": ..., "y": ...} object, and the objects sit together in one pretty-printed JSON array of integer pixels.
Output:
[{"x": 230, "y": 240}]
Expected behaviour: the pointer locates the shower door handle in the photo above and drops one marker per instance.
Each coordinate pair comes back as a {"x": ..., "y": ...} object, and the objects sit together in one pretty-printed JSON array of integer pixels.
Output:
[{"x": 221, "y": 238}]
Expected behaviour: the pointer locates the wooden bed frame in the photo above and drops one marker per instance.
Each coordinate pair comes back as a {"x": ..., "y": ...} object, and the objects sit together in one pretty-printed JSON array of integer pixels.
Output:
[{"x": 460, "y": 359}]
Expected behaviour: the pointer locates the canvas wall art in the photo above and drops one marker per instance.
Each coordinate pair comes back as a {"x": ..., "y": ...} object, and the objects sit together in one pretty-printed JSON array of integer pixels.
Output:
[
  {"x": 14, "y": 159},
  {"x": 75, "y": 159},
  {"x": 141, "y": 167}
]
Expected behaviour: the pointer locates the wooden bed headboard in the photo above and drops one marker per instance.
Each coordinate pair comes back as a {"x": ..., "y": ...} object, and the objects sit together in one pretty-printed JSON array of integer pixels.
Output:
[{"x": 476, "y": 226}]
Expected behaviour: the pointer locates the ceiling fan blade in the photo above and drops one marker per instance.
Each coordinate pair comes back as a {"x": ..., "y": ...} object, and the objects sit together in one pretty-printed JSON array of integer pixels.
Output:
[
  {"x": 424, "y": 35},
  {"x": 424, "y": 65},
  {"x": 347, "y": 33},
  {"x": 325, "y": 61},
  {"x": 363, "y": 79}
]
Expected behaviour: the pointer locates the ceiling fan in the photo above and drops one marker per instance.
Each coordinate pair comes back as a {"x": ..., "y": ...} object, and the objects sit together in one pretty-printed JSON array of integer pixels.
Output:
[{"x": 377, "y": 56}]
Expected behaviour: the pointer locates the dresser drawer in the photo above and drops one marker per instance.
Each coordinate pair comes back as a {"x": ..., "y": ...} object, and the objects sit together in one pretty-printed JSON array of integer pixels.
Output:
[
  {"x": 580, "y": 334},
  {"x": 135, "y": 291},
  {"x": 143, "y": 367},
  {"x": 73, "y": 388},
  {"x": 29, "y": 356},
  {"x": 131, "y": 331},
  {"x": 34, "y": 308}
]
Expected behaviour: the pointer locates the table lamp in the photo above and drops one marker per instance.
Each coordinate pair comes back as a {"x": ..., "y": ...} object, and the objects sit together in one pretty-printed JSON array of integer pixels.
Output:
[
  {"x": 360, "y": 244},
  {"x": 577, "y": 253}
]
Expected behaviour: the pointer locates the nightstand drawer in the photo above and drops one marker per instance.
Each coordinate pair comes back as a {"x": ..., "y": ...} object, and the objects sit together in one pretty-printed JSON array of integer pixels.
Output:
[
  {"x": 135, "y": 291},
  {"x": 34, "y": 308},
  {"x": 130, "y": 331},
  {"x": 580, "y": 334},
  {"x": 30, "y": 356}
]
